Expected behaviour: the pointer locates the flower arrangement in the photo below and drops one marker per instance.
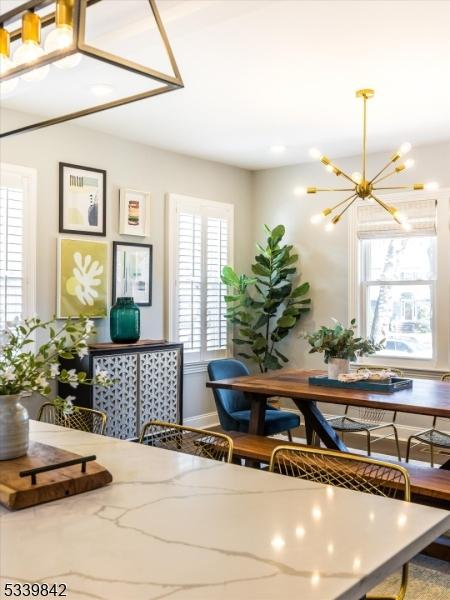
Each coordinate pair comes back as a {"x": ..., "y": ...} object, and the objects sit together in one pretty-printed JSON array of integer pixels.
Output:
[
  {"x": 24, "y": 370},
  {"x": 340, "y": 342}
]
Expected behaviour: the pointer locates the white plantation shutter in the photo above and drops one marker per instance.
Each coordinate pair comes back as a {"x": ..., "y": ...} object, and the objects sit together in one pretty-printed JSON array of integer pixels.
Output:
[
  {"x": 200, "y": 245},
  {"x": 17, "y": 251}
]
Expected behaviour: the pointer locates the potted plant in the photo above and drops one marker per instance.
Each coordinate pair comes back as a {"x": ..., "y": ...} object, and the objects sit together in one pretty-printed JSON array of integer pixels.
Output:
[
  {"x": 340, "y": 346},
  {"x": 25, "y": 371},
  {"x": 266, "y": 307}
]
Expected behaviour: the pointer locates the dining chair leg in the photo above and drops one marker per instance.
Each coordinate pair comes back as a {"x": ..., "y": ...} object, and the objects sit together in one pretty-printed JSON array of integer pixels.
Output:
[
  {"x": 369, "y": 449},
  {"x": 408, "y": 449},
  {"x": 432, "y": 454},
  {"x": 289, "y": 434},
  {"x": 397, "y": 443}
]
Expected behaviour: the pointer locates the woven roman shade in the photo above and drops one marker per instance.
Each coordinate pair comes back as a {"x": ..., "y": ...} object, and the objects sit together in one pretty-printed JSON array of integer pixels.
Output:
[{"x": 374, "y": 222}]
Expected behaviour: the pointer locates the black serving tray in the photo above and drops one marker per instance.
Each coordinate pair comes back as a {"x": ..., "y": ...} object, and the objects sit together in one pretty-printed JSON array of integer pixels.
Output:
[{"x": 394, "y": 384}]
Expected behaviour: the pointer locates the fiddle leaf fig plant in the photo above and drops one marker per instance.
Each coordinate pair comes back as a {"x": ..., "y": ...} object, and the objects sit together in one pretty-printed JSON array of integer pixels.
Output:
[
  {"x": 341, "y": 342},
  {"x": 265, "y": 307}
]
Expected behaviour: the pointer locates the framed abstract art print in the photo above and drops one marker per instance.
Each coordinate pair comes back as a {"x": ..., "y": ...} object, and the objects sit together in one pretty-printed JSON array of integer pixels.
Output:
[
  {"x": 134, "y": 213},
  {"x": 82, "y": 278},
  {"x": 82, "y": 200},
  {"x": 132, "y": 272}
]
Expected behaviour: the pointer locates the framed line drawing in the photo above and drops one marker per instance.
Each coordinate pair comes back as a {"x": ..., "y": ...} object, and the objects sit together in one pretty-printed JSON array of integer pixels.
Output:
[
  {"x": 82, "y": 200},
  {"x": 132, "y": 272},
  {"x": 134, "y": 213}
]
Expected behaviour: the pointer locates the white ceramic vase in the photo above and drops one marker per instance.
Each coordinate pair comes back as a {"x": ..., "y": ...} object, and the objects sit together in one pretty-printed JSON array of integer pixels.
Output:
[
  {"x": 14, "y": 427},
  {"x": 336, "y": 366}
]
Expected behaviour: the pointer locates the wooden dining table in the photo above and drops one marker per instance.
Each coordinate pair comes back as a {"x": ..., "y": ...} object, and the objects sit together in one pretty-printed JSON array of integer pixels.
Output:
[{"x": 426, "y": 397}]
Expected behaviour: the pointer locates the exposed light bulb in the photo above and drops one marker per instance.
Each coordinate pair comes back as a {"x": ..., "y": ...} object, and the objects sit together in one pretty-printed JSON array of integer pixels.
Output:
[
  {"x": 409, "y": 163},
  {"x": 26, "y": 53},
  {"x": 58, "y": 39},
  {"x": 329, "y": 168},
  {"x": 316, "y": 219},
  {"x": 401, "y": 217},
  {"x": 431, "y": 185},
  {"x": 329, "y": 227},
  {"x": 357, "y": 177},
  {"x": 299, "y": 191},
  {"x": 407, "y": 226},
  {"x": 404, "y": 148},
  {"x": 315, "y": 153},
  {"x": 8, "y": 86}
]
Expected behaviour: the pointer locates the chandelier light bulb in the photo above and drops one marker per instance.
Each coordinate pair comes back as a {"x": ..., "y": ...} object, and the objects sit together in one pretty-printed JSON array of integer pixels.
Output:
[
  {"x": 431, "y": 186},
  {"x": 316, "y": 219},
  {"x": 30, "y": 50},
  {"x": 315, "y": 153},
  {"x": 329, "y": 168},
  {"x": 404, "y": 148},
  {"x": 409, "y": 163},
  {"x": 329, "y": 227},
  {"x": 407, "y": 226},
  {"x": 61, "y": 38},
  {"x": 6, "y": 64},
  {"x": 357, "y": 177},
  {"x": 401, "y": 217},
  {"x": 299, "y": 191}
]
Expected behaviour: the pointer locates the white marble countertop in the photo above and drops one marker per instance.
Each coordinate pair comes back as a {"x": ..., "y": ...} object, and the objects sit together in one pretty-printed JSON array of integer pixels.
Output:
[{"x": 175, "y": 526}]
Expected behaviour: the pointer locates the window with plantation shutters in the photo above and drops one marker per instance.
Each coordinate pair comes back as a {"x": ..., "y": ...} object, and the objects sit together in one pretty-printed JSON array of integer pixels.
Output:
[
  {"x": 17, "y": 251},
  {"x": 200, "y": 244}
]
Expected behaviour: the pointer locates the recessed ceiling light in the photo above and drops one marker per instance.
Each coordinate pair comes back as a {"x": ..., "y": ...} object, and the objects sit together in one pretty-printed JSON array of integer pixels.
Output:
[
  {"x": 101, "y": 89},
  {"x": 278, "y": 149}
]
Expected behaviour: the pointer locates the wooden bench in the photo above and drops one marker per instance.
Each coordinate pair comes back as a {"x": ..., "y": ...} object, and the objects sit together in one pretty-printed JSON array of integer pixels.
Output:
[{"x": 429, "y": 486}]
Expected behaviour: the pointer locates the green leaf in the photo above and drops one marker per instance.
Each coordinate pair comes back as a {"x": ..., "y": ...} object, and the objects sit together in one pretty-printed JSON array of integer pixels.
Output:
[
  {"x": 229, "y": 277},
  {"x": 301, "y": 290},
  {"x": 277, "y": 234},
  {"x": 261, "y": 270},
  {"x": 286, "y": 321}
]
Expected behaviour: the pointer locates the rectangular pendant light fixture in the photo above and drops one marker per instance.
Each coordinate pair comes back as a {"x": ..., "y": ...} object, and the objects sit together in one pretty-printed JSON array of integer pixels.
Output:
[{"x": 30, "y": 62}]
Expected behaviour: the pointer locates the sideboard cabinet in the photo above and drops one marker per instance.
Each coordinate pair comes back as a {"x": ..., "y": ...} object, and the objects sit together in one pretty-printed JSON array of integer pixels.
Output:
[{"x": 148, "y": 384}]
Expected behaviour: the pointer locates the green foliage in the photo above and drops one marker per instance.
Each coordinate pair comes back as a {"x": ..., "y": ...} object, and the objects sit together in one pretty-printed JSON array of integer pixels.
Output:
[
  {"x": 264, "y": 308},
  {"x": 339, "y": 342},
  {"x": 25, "y": 370}
]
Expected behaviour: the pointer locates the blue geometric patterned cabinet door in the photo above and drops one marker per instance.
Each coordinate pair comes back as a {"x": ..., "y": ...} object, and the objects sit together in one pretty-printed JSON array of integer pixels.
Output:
[
  {"x": 119, "y": 401},
  {"x": 159, "y": 381}
]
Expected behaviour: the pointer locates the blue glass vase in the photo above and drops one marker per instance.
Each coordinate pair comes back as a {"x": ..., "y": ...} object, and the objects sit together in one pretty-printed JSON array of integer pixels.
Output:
[{"x": 125, "y": 321}]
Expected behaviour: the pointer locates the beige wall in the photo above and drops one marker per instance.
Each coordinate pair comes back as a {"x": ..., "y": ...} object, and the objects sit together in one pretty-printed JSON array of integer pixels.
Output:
[
  {"x": 128, "y": 165},
  {"x": 324, "y": 256}
]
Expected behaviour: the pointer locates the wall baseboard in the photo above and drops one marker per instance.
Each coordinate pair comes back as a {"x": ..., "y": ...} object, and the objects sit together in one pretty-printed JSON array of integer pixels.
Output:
[{"x": 202, "y": 421}]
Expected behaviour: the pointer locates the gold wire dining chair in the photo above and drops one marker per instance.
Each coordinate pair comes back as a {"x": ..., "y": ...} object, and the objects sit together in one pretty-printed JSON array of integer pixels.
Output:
[
  {"x": 433, "y": 437},
  {"x": 83, "y": 419},
  {"x": 188, "y": 440},
  {"x": 367, "y": 420},
  {"x": 349, "y": 471}
]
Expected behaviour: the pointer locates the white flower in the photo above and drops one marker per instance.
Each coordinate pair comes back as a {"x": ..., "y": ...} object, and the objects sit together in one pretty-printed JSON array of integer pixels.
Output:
[
  {"x": 41, "y": 381},
  {"x": 8, "y": 374},
  {"x": 72, "y": 378},
  {"x": 89, "y": 326},
  {"x": 101, "y": 377},
  {"x": 86, "y": 272},
  {"x": 82, "y": 352},
  {"x": 54, "y": 370},
  {"x": 68, "y": 405}
]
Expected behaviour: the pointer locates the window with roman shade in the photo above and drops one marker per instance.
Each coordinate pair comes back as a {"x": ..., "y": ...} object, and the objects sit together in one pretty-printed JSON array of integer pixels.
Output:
[
  {"x": 200, "y": 245},
  {"x": 396, "y": 292}
]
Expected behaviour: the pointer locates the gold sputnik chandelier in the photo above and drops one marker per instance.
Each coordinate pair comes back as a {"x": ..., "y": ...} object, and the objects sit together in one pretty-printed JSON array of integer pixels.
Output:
[{"x": 360, "y": 185}]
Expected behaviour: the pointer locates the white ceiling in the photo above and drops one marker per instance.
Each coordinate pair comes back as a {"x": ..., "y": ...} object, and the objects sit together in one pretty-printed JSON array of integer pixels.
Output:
[{"x": 265, "y": 72}]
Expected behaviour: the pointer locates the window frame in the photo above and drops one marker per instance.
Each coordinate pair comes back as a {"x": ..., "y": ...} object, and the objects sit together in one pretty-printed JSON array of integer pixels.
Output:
[
  {"x": 175, "y": 203},
  {"x": 440, "y": 287},
  {"x": 28, "y": 176}
]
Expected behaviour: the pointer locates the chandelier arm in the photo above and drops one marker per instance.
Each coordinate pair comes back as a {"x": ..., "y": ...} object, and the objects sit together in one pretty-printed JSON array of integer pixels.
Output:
[
  {"x": 386, "y": 207},
  {"x": 382, "y": 171},
  {"x": 377, "y": 180},
  {"x": 343, "y": 202},
  {"x": 397, "y": 187},
  {"x": 348, "y": 206},
  {"x": 364, "y": 138},
  {"x": 333, "y": 190}
]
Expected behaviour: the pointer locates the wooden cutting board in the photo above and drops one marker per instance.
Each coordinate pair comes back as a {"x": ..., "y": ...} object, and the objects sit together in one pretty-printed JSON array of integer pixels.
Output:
[{"x": 18, "y": 492}]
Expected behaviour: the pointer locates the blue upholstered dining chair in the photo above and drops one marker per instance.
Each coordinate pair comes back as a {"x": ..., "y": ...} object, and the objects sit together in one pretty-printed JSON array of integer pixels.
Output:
[{"x": 234, "y": 408}]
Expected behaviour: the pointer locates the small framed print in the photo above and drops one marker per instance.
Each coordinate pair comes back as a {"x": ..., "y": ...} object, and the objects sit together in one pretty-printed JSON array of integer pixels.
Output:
[
  {"x": 134, "y": 213},
  {"x": 132, "y": 272},
  {"x": 82, "y": 200}
]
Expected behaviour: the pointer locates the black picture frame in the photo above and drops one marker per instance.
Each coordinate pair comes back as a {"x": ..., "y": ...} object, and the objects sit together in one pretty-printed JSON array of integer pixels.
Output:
[
  {"x": 149, "y": 247},
  {"x": 63, "y": 228}
]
